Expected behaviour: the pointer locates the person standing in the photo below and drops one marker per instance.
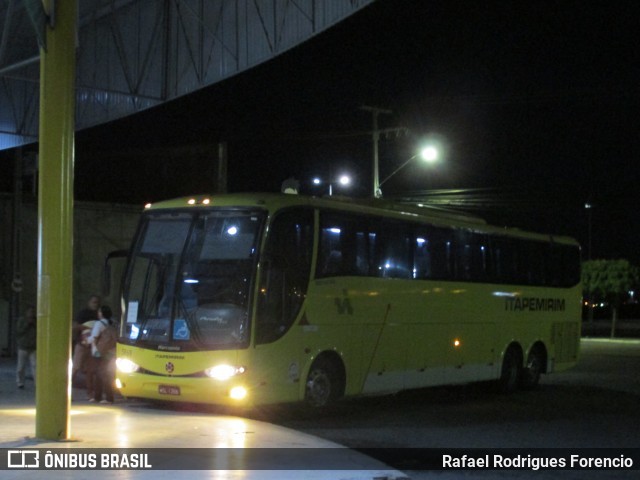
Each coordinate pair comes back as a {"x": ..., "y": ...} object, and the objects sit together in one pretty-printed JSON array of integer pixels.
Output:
[
  {"x": 83, "y": 362},
  {"x": 105, "y": 361},
  {"x": 82, "y": 324},
  {"x": 90, "y": 312},
  {"x": 26, "y": 336}
]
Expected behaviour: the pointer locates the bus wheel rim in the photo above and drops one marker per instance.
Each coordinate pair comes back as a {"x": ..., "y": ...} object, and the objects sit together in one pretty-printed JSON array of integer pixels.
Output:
[{"x": 318, "y": 388}]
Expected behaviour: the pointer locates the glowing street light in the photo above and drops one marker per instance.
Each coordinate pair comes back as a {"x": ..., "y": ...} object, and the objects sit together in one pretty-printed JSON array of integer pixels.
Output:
[
  {"x": 344, "y": 180},
  {"x": 428, "y": 154}
]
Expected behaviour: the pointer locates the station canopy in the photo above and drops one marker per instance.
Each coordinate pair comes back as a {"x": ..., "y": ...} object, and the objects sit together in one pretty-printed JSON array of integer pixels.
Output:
[{"x": 135, "y": 54}]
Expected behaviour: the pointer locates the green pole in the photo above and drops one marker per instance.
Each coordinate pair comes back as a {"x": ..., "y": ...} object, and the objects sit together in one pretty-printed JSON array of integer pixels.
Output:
[{"x": 55, "y": 224}]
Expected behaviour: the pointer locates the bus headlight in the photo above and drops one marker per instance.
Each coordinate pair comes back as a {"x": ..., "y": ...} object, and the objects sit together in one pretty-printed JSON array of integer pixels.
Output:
[
  {"x": 238, "y": 393},
  {"x": 223, "y": 372},
  {"x": 126, "y": 365}
]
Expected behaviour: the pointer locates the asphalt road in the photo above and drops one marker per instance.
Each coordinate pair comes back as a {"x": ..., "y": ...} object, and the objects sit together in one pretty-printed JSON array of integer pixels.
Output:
[{"x": 594, "y": 405}]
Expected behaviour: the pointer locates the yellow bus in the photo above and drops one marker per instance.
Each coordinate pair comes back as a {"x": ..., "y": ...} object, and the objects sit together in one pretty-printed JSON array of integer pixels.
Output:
[{"x": 251, "y": 299}]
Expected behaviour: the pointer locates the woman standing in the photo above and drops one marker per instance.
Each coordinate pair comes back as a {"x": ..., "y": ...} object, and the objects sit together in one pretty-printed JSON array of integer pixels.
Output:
[{"x": 104, "y": 360}]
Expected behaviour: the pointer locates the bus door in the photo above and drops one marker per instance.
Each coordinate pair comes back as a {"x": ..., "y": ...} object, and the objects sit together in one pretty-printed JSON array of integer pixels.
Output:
[{"x": 284, "y": 279}]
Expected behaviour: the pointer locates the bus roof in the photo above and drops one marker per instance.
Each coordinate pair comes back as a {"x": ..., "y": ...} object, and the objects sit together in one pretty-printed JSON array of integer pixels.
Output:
[{"x": 372, "y": 206}]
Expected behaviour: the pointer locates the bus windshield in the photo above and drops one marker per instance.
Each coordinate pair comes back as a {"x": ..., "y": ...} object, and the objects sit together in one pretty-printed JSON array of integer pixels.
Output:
[{"x": 189, "y": 279}]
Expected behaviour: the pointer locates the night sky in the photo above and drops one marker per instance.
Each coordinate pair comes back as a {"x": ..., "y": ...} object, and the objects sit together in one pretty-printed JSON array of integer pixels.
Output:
[{"x": 536, "y": 105}]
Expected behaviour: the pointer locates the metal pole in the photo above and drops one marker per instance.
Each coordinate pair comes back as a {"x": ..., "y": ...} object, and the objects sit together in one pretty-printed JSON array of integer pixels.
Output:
[
  {"x": 376, "y": 161},
  {"x": 588, "y": 207},
  {"x": 55, "y": 225},
  {"x": 375, "y": 132},
  {"x": 16, "y": 283},
  {"x": 221, "y": 186}
]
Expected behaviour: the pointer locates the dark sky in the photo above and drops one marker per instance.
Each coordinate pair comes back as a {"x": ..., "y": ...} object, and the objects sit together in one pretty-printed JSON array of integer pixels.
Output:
[{"x": 536, "y": 105}]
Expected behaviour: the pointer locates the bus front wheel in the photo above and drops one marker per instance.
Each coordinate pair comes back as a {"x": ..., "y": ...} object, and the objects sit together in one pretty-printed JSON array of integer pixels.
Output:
[{"x": 323, "y": 384}]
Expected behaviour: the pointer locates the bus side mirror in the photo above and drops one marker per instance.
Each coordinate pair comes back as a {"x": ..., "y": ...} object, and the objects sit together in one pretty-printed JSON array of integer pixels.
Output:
[{"x": 106, "y": 271}]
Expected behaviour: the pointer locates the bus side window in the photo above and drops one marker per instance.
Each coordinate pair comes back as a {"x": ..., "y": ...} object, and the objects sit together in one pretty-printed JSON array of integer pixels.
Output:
[
  {"x": 347, "y": 246},
  {"x": 477, "y": 268},
  {"x": 535, "y": 259},
  {"x": 286, "y": 266},
  {"x": 441, "y": 248},
  {"x": 422, "y": 256},
  {"x": 565, "y": 265},
  {"x": 505, "y": 260},
  {"x": 462, "y": 256},
  {"x": 331, "y": 246},
  {"x": 367, "y": 252},
  {"x": 396, "y": 252}
]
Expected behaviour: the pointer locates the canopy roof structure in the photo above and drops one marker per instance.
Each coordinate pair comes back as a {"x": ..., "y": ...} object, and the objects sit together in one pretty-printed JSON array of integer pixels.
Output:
[{"x": 136, "y": 54}]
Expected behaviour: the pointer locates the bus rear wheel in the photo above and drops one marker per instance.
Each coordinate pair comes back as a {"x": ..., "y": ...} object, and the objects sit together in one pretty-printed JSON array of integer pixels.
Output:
[
  {"x": 323, "y": 384},
  {"x": 530, "y": 375}
]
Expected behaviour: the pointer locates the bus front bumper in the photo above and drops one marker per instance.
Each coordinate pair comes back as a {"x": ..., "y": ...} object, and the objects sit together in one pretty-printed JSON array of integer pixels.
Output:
[{"x": 190, "y": 390}]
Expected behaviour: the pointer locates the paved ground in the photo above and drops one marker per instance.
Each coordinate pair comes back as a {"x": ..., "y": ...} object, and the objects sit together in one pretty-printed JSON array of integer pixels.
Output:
[
  {"x": 139, "y": 426},
  {"x": 131, "y": 425}
]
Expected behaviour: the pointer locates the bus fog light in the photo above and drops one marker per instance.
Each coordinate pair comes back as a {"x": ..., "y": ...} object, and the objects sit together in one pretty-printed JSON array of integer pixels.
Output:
[
  {"x": 238, "y": 393},
  {"x": 118, "y": 384},
  {"x": 223, "y": 372},
  {"x": 126, "y": 366}
]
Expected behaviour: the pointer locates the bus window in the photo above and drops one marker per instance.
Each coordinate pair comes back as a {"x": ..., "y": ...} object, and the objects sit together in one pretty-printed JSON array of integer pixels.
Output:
[
  {"x": 215, "y": 279},
  {"x": 189, "y": 279},
  {"x": 347, "y": 246},
  {"x": 471, "y": 256},
  {"x": 534, "y": 257},
  {"x": 462, "y": 257},
  {"x": 285, "y": 273},
  {"x": 365, "y": 243},
  {"x": 506, "y": 260},
  {"x": 421, "y": 257},
  {"x": 396, "y": 255},
  {"x": 151, "y": 278},
  {"x": 565, "y": 265},
  {"x": 440, "y": 244},
  {"x": 481, "y": 266}
]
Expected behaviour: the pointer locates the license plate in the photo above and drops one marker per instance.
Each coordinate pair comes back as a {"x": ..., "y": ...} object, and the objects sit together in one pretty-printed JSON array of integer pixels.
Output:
[{"x": 168, "y": 390}]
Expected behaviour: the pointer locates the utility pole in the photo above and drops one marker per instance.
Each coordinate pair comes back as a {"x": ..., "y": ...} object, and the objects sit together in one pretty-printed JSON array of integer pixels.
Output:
[{"x": 375, "y": 132}]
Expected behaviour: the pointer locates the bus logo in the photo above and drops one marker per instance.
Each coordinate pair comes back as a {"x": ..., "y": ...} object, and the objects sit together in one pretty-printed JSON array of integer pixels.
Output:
[
  {"x": 169, "y": 367},
  {"x": 343, "y": 305}
]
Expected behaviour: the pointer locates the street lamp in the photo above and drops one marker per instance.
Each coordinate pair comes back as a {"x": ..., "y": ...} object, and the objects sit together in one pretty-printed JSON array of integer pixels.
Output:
[
  {"x": 428, "y": 154},
  {"x": 344, "y": 180},
  {"x": 588, "y": 206}
]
